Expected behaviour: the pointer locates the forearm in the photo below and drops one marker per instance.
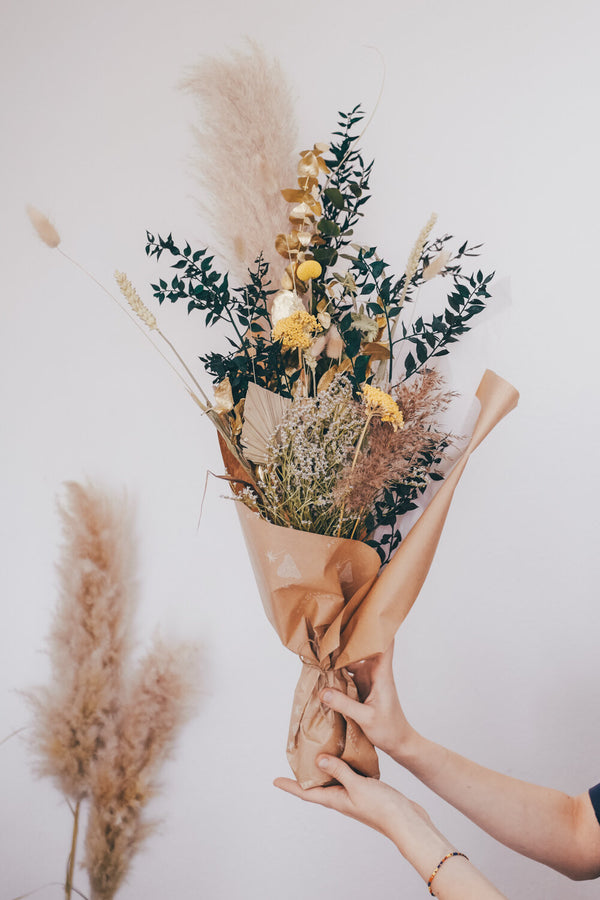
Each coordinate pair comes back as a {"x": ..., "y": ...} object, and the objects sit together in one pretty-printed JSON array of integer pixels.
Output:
[
  {"x": 457, "y": 879},
  {"x": 538, "y": 822}
]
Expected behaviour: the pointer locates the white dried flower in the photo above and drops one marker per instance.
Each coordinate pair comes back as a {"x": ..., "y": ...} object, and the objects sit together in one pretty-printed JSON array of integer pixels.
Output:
[
  {"x": 324, "y": 319},
  {"x": 284, "y": 304},
  {"x": 366, "y": 325},
  {"x": 44, "y": 227}
]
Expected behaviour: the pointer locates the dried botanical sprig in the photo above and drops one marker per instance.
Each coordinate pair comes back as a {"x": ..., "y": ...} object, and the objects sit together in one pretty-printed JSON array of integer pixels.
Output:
[
  {"x": 161, "y": 700},
  {"x": 135, "y": 301},
  {"x": 44, "y": 227},
  {"x": 397, "y": 457},
  {"x": 415, "y": 255}
]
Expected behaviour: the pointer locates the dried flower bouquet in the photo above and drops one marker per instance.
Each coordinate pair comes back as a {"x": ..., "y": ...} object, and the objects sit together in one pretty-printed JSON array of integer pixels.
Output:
[{"x": 328, "y": 406}]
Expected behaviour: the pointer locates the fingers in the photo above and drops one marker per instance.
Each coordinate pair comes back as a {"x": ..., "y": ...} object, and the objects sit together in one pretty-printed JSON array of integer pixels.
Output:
[
  {"x": 331, "y": 797},
  {"x": 338, "y": 769},
  {"x": 334, "y": 767},
  {"x": 340, "y": 702},
  {"x": 292, "y": 787}
]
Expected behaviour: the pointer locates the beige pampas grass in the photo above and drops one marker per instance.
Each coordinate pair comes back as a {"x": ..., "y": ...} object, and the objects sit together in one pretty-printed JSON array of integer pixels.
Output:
[
  {"x": 245, "y": 155},
  {"x": 44, "y": 227},
  {"x": 100, "y": 732},
  {"x": 124, "y": 779},
  {"x": 89, "y": 640}
]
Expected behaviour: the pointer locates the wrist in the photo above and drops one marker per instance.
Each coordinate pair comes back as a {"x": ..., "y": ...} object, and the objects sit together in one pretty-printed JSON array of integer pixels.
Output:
[
  {"x": 423, "y": 846},
  {"x": 403, "y": 747}
]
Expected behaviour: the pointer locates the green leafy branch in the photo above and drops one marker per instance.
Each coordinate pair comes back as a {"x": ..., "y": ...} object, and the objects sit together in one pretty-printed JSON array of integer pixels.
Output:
[{"x": 431, "y": 339}]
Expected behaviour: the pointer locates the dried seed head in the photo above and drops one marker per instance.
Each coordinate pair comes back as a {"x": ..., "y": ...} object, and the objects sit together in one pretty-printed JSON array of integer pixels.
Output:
[
  {"x": 134, "y": 300},
  {"x": 44, "y": 227}
]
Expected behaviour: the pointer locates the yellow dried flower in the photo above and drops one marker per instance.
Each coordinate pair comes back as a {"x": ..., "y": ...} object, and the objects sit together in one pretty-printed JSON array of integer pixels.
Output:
[
  {"x": 296, "y": 332},
  {"x": 135, "y": 301},
  {"x": 308, "y": 269},
  {"x": 378, "y": 403}
]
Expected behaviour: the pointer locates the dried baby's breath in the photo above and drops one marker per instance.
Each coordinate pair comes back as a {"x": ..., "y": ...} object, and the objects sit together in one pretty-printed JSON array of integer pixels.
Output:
[{"x": 313, "y": 444}]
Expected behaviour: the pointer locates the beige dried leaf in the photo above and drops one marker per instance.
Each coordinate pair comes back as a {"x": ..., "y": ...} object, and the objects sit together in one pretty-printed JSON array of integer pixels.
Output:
[
  {"x": 223, "y": 397},
  {"x": 263, "y": 413},
  {"x": 44, "y": 227}
]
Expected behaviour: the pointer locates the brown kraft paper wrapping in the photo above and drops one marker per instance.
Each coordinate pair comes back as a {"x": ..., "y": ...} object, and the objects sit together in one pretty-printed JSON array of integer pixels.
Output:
[{"x": 326, "y": 602}]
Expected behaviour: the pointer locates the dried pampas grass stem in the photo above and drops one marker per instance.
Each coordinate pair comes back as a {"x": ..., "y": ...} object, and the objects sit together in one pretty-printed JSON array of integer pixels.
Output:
[{"x": 246, "y": 143}]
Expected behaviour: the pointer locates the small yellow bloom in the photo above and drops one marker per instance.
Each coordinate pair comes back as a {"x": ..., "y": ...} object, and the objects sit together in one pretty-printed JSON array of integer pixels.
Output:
[
  {"x": 296, "y": 332},
  {"x": 378, "y": 403},
  {"x": 308, "y": 269}
]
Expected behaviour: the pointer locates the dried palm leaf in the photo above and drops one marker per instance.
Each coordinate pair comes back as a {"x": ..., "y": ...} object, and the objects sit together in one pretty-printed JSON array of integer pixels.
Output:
[{"x": 263, "y": 413}]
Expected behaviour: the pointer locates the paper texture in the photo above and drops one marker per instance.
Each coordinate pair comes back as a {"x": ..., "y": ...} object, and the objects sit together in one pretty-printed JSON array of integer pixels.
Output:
[{"x": 326, "y": 601}]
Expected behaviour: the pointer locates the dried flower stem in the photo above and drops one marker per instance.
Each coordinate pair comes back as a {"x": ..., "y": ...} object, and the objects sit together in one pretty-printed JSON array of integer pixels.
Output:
[
  {"x": 71, "y": 860},
  {"x": 204, "y": 406}
]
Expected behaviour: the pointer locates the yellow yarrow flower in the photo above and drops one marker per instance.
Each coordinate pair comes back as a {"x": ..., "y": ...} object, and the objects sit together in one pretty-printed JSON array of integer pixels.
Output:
[
  {"x": 296, "y": 332},
  {"x": 378, "y": 403}
]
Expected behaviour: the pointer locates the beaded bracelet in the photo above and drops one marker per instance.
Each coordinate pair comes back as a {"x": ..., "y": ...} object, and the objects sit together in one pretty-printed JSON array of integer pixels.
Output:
[{"x": 439, "y": 866}]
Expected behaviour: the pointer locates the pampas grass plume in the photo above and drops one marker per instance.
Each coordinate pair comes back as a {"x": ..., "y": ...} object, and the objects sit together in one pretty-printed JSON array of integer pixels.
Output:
[
  {"x": 89, "y": 639},
  {"x": 245, "y": 154},
  {"x": 161, "y": 700},
  {"x": 44, "y": 227}
]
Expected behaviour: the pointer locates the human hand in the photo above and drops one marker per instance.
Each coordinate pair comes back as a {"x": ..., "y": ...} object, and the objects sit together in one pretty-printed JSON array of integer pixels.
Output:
[
  {"x": 380, "y": 714},
  {"x": 379, "y": 806}
]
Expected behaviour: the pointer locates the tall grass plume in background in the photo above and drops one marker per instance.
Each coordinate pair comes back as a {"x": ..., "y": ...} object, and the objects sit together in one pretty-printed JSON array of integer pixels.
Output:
[{"x": 102, "y": 727}]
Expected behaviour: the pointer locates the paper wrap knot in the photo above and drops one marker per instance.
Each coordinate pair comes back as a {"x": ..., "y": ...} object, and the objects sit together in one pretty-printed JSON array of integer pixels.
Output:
[
  {"x": 328, "y": 604},
  {"x": 314, "y": 728}
]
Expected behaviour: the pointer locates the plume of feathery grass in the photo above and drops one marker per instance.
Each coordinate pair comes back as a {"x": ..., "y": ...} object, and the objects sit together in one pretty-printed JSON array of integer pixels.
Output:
[
  {"x": 394, "y": 457},
  {"x": 124, "y": 777},
  {"x": 89, "y": 640},
  {"x": 99, "y": 732},
  {"x": 245, "y": 154}
]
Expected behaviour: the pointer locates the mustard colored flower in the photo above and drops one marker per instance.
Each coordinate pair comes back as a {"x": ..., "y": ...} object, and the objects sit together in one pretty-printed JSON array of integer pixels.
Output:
[
  {"x": 296, "y": 332},
  {"x": 378, "y": 403},
  {"x": 308, "y": 269}
]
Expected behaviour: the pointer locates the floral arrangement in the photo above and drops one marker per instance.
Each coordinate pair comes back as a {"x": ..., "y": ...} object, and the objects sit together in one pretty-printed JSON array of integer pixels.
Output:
[
  {"x": 327, "y": 403},
  {"x": 327, "y": 399}
]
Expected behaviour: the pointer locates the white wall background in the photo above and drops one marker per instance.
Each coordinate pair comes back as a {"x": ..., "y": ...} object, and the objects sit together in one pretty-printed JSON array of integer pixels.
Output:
[{"x": 489, "y": 118}]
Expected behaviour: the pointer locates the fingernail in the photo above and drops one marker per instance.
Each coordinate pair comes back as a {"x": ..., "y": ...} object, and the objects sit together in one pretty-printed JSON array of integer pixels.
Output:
[
  {"x": 327, "y": 696},
  {"x": 323, "y": 762}
]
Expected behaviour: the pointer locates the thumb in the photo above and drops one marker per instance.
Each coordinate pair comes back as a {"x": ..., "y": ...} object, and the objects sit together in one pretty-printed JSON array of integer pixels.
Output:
[
  {"x": 349, "y": 708},
  {"x": 338, "y": 769}
]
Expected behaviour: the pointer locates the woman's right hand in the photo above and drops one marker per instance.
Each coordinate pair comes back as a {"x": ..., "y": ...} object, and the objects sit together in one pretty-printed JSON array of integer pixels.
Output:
[{"x": 380, "y": 714}]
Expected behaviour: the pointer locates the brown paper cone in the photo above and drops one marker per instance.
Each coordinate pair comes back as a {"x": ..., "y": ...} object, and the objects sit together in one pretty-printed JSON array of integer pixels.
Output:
[{"x": 325, "y": 601}]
